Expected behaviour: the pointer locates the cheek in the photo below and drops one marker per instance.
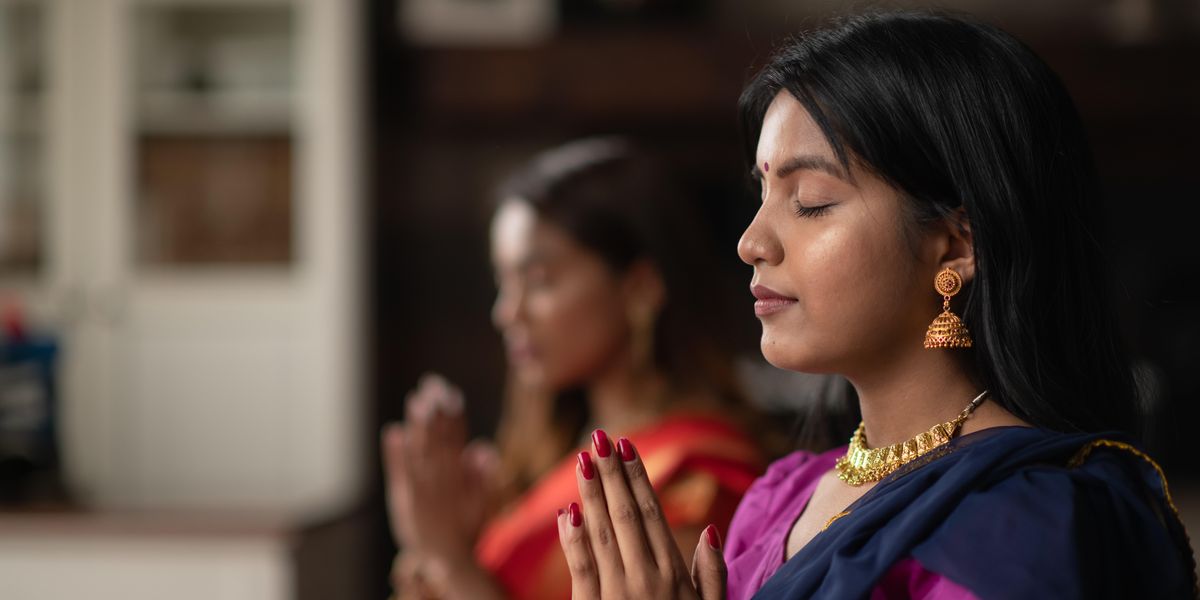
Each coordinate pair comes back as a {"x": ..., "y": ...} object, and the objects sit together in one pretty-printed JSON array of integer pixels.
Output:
[
  {"x": 853, "y": 287},
  {"x": 577, "y": 329},
  {"x": 832, "y": 273}
]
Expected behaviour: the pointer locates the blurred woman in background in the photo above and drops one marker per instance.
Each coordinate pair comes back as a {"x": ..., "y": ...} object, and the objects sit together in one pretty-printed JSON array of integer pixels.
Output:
[{"x": 605, "y": 311}]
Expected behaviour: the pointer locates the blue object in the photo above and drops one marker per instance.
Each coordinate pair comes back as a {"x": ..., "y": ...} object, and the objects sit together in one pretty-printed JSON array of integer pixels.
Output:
[{"x": 28, "y": 400}]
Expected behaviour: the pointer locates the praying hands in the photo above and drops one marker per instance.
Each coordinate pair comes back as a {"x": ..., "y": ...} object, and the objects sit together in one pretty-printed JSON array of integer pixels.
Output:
[
  {"x": 619, "y": 545},
  {"x": 439, "y": 491}
]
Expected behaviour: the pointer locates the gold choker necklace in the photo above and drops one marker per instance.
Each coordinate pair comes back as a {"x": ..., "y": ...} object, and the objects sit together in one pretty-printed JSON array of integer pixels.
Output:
[{"x": 863, "y": 465}]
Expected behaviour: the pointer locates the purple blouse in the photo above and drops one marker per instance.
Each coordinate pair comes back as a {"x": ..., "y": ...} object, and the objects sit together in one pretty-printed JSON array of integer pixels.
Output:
[{"x": 758, "y": 534}]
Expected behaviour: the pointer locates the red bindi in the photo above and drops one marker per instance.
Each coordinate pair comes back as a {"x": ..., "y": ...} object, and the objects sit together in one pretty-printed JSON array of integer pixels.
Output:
[{"x": 766, "y": 167}]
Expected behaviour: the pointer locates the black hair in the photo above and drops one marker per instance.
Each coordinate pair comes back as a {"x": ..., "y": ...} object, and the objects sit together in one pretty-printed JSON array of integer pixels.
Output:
[{"x": 957, "y": 114}]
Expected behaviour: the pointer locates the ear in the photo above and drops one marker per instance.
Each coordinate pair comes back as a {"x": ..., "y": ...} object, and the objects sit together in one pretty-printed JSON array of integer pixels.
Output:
[
  {"x": 956, "y": 245},
  {"x": 644, "y": 289}
]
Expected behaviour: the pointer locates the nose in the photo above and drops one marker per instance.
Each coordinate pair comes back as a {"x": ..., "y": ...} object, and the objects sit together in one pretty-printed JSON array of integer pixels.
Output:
[
  {"x": 506, "y": 309},
  {"x": 759, "y": 244}
]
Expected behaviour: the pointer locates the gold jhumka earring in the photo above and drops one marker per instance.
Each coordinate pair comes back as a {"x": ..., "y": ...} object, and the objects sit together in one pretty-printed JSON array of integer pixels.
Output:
[
  {"x": 641, "y": 322},
  {"x": 947, "y": 330}
]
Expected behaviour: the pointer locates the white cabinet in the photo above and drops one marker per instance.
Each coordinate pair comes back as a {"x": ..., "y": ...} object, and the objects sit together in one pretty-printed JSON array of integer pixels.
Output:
[
  {"x": 190, "y": 191},
  {"x": 51, "y": 558}
]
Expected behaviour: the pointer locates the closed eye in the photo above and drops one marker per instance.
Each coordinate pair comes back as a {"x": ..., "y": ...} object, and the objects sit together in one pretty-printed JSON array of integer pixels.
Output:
[{"x": 810, "y": 211}]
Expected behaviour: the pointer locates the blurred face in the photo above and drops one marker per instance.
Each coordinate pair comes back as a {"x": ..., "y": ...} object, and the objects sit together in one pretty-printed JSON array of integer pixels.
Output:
[
  {"x": 838, "y": 285},
  {"x": 560, "y": 308}
]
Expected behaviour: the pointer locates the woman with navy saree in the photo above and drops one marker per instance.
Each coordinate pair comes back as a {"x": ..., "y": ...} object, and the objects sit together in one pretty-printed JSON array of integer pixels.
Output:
[{"x": 929, "y": 229}]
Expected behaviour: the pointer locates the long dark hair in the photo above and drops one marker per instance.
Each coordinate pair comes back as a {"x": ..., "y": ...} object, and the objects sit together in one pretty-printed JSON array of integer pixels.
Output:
[
  {"x": 955, "y": 114},
  {"x": 624, "y": 205}
]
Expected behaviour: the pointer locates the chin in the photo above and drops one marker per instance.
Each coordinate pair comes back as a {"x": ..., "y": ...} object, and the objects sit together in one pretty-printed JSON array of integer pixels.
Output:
[
  {"x": 550, "y": 378},
  {"x": 793, "y": 356},
  {"x": 531, "y": 374},
  {"x": 779, "y": 354}
]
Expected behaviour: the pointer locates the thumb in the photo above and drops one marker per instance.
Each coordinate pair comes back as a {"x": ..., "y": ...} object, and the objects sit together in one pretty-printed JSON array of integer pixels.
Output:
[
  {"x": 481, "y": 462},
  {"x": 708, "y": 566},
  {"x": 482, "y": 459}
]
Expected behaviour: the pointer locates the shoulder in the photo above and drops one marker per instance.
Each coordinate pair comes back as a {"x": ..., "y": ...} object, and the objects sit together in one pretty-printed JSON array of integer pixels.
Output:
[
  {"x": 1105, "y": 514},
  {"x": 799, "y": 465},
  {"x": 1103, "y": 478},
  {"x": 788, "y": 475},
  {"x": 778, "y": 493}
]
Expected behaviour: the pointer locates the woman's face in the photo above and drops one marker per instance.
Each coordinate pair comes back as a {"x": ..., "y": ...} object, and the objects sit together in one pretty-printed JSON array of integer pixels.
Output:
[
  {"x": 839, "y": 285},
  {"x": 560, "y": 307}
]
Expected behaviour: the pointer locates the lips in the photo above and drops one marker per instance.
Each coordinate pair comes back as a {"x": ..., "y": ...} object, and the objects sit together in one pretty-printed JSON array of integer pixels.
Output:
[
  {"x": 768, "y": 301},
  {"x": 520, "y": 350}
]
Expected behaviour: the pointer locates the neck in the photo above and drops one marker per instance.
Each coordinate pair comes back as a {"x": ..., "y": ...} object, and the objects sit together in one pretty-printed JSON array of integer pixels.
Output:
[
  {"x": 912, "y": 393},
  {"x": 624, "y": 399}
]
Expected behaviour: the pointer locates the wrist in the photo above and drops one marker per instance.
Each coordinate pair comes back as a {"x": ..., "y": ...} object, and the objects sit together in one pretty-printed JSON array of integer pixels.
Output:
[
  {"x": 466, "y": 579},
  {"x": 450, "y": 564}
]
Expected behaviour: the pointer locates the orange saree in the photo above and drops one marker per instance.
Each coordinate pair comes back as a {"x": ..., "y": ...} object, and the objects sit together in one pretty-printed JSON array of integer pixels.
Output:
[{"x": 700, "y": 466}]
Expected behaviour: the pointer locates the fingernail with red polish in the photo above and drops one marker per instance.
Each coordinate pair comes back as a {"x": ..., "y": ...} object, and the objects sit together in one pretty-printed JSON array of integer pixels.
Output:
[
  {"x": 561, "y": 512},
  {"x": 714, "y": 538},
  {"x": 585, "y": 466},
  {"x": 575, "y": 515},
  {"x": 625, "y": 449},
  {"x": 600, "y": 441}
]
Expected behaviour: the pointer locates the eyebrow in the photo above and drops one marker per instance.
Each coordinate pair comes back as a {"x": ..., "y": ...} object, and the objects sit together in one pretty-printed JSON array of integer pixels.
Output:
[
  {"x": 536, "y": 258},
  {"x": 808, "y": 162},
  {"x": 522, "y": 268}
]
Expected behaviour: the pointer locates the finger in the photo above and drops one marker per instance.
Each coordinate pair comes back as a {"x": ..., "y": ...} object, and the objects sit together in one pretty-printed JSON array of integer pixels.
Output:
[
  {"x": 444, "y": 397},
  {"x": 429, "y": 379},
  {"x": 482, "y": 456},
  {"x": 657, "y": 531},
  {"x": 447, "y": 426},
  {"x": 708, "y": 566},
  {"x": 623, "y": 509},
  {"x": 445, "y": 438},
  {"x": 481, "y": 461},
  {"x": 439, "y": 407},
  {"x": 419, "y": 467},
  {"x": 398, "y": 488},
  {"x": 605, "y": 552},
  {"x": 391, "y": 450},
  {"x": 572, "y": 536},
  {"x": 449, "y": 397},
  {"x": 418, "y": 404},
  {"x": 416, "y": 419},
  {"x": 392, "y": 455}
]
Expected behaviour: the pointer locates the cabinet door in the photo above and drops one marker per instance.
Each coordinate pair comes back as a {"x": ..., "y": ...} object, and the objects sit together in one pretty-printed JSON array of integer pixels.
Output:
[
  {"x": 225, "y": 280},
  {"x": 37, "y": 239},
  {"x": 23, "y": 137},
  {"x": 41, "y": 304}
]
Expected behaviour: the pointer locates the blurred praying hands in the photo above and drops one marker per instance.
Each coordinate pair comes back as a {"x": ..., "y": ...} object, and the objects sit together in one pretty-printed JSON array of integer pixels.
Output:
[{"x": 440, "y": 492}]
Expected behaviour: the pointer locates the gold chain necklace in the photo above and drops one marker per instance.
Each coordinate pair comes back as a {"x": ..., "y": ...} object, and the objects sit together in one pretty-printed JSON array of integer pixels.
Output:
[{"x": 863, "y": 465}]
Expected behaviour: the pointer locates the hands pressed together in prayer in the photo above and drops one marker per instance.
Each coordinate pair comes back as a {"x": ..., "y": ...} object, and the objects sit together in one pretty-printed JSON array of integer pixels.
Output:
[
  {"x": 439, "y": 492},
  {"x": 440, "y": 489},
  {"x": 619, "y": 545}
]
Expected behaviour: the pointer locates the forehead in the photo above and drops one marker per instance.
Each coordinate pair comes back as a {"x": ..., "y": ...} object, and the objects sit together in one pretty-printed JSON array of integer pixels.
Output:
[
  {"x": 513, "y": 226},
  {"x": 520, "y": 235},
  {"x": 789, "y": 130}
]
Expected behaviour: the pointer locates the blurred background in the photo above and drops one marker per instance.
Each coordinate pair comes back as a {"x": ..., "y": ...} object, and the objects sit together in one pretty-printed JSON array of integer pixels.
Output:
[{"x": 233, "y": 233}]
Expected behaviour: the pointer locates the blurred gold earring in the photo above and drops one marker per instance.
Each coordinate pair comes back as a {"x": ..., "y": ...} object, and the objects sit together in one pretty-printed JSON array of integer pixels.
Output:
[
  {"x": 642, "y": 325},
  {"x": 947, "y": 330}
]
